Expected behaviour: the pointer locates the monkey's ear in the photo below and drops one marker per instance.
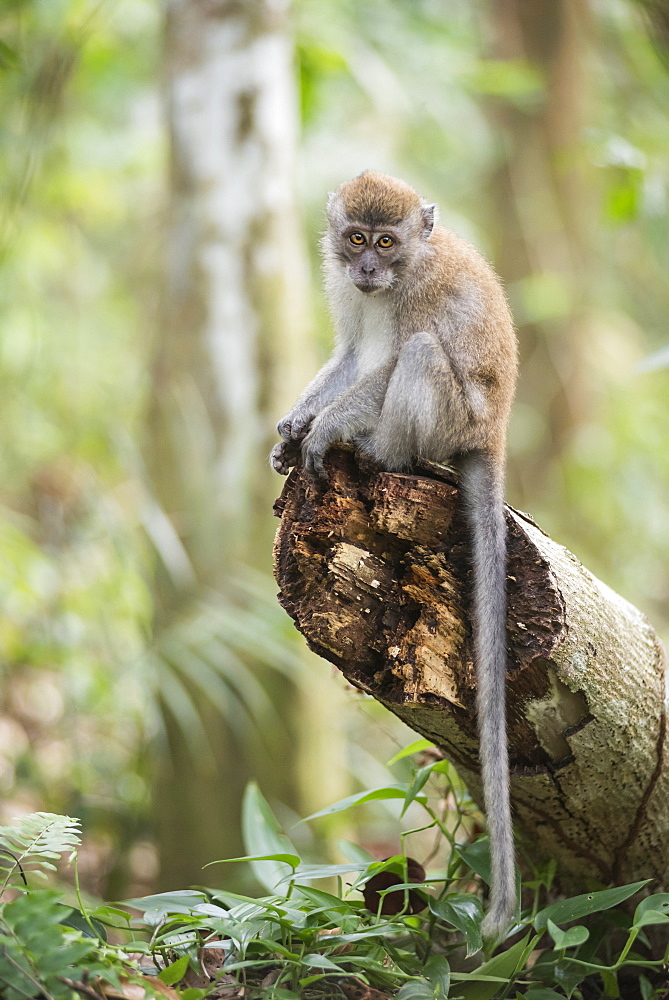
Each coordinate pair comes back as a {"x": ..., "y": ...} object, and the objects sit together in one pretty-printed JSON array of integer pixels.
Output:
[{"x": 429, "y": 215}]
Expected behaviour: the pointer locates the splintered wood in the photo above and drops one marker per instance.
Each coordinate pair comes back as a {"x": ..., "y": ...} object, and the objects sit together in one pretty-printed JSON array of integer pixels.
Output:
[{"x": 374, "y": 569}]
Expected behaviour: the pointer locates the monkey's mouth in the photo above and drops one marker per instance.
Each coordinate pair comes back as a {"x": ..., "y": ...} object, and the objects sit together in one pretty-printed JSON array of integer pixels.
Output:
[{"x": 370, "y": 286}]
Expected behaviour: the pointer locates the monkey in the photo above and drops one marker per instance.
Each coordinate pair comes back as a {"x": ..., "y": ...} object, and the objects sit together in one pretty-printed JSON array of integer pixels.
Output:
[{"x": 424, "y": 367}]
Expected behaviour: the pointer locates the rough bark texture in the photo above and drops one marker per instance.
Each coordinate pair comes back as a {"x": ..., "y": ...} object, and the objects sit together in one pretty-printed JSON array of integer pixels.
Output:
[{"x": 374, "y": 569}]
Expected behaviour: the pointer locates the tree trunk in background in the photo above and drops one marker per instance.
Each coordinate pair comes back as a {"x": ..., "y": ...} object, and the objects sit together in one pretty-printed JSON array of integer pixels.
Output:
[
  {"x": 544, "y": 208},
  {"x": 375, "y": 569},
  {"x": 233, "y": 323}
]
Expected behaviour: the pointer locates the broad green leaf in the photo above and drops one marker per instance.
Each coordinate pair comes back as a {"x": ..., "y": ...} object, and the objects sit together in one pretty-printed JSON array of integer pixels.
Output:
[
  {"x": 175, "y": 972},
  {"x": 76, "y": 919},
  {"x": 477, "y": 857},
  {"x": 105, "y": 913},
  {"x": 211, "y": 910},
  {"x": 168, "y": 902},
  {"x": 438, "y": 972},
  {"x": 502, "y": 966},
  {"x": 610, "y": 981},
  {"x": 263, "y": 836},
  {"x": 316, "y": 961},
  {"x": 417, "y": 989},
  {"x": 580, "y": 906},
  {"x": 375, "y": 795},
  {"x": 651, "y": 917},
  {"x": 416, "y": 747},
  {"x": 464, "y": 912},
  {"x": 657, "y": 904},
  {"x": 568, "y": 939},
  {"x": 309, "y": 872}
]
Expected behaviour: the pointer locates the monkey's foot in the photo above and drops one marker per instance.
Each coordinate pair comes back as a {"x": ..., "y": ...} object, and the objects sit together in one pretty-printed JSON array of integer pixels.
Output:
[
  {"x": 284, "y": 456},
  {"x": 294, "y": 426}
]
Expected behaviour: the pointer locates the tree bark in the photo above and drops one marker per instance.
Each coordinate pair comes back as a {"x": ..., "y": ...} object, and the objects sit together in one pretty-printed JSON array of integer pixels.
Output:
[{"x": 374, "y": 569}]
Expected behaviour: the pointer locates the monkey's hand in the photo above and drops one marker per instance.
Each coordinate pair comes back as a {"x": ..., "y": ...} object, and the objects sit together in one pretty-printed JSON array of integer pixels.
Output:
[
  {"x": 314, "y": 447},
  {"x": 295, "y": 425},
  {"x": 284, "y": 456}
]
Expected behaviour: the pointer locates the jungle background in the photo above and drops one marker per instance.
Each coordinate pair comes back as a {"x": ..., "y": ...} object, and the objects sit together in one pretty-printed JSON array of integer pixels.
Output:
[{"x": 164, "y": 169}]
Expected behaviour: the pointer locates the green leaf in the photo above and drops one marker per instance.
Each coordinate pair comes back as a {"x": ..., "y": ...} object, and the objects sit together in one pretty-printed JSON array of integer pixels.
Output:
[
  {"x": 543, "y": 993},
  {"x": 568, "y": 939},
  {"x": 316, "y": 961},
  {"x": 417, "y": 989},
  {"x": 610, "y": 981},
  {"x": 192, "y": 993},
  {"x": 264, "y": 837},
  {"x": 175, "y": 972},
  {"x": 182, "y": 901},
  {"x": 477, "y": 857},
  {"x": 417, "y": 784},
  {"x": 323, "y": 900},
  {"x": 658, "y": 905},
  {"x": 580, "y": 906},
  {"x": 76, "y": 919},
  {"x": 646, "y": 988},
  {"x": 650, "y": 918},
  {"x": 104, "y": 914},
  {"x": 288, "y": 859},
  {"x": 502, "y": 966},
  {"x": 416, "y": 747},
  {"x": 568, "y": 975},
  {"x": 438, "y": 972},
  {"x": 464, "y": 912},
  {"x": 375, "y": 795},
  {"x": 310, "y": 872}
]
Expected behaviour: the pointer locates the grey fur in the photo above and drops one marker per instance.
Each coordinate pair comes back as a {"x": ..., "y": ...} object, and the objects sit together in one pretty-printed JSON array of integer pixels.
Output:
[
  {"x": 424, "y": 367},
  {"x": 483, "y": 490}
]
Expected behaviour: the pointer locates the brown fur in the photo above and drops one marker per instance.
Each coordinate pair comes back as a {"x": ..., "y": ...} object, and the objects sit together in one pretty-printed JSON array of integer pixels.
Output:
[
  {"x": 424, "y": 367},
  {"x": 376, "y": 200}
]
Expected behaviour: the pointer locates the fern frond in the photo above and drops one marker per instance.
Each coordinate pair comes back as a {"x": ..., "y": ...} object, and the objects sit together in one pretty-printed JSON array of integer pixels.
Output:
[{"x": 34, "y": 842}]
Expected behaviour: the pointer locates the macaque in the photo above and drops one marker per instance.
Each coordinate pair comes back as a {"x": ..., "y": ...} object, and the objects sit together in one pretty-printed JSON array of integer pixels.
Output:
[{"x": 424, "y": 367}]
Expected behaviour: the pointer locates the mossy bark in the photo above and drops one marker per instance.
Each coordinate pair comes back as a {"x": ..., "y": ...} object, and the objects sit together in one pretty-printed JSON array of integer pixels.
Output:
[{"x": 374, "y": 569}]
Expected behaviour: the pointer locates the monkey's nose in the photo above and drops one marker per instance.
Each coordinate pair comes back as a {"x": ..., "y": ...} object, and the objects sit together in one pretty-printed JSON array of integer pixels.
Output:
[{"x": 368, "y": 268}]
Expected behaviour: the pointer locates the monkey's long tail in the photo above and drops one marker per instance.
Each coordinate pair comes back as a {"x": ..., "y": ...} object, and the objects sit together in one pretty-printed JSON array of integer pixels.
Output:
[{"x": 483, "y": 490}]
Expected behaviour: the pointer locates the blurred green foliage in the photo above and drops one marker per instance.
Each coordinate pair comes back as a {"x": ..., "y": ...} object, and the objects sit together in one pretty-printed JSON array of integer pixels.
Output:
[{"x": 408, "y": 86}]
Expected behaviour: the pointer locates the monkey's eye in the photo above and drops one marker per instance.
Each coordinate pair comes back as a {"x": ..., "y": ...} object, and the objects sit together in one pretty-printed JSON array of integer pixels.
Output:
[
  {"x": 384, "y": 242},
  {"x": 357, "y": 239}
]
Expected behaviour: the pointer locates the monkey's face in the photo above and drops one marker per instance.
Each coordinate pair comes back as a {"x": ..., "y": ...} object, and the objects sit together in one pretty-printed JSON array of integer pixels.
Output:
[{"x": 371, "y": 257}]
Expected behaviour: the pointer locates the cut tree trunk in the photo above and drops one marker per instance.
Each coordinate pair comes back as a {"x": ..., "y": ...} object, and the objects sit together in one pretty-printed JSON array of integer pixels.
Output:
[{"x": 374, "y": 569}]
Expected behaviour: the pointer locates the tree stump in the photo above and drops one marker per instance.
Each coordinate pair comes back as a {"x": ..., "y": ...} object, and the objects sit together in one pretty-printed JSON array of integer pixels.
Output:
[{"x": 374, "y": 568}]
